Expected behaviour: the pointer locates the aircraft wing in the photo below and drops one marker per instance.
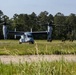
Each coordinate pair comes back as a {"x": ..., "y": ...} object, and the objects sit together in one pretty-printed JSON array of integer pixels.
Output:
[
  {"x": 17, "y": 33},
  {"x": 39, "y": 32}
]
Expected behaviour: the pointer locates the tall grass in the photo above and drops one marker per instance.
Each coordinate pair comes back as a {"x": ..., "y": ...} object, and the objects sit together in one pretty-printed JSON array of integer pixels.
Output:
[
  {"x": 11, "y": 47},
  {"x": 39, "y": 68}
]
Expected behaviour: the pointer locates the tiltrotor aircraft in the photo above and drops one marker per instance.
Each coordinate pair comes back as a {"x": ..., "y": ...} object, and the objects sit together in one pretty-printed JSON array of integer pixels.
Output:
[{"x": 27, "y": 36}]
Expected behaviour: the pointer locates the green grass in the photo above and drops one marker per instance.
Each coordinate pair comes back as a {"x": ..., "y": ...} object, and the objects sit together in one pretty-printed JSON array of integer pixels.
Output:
[
  {"x": 12, "y": 47},
  {"x": 39, "y": 68}
]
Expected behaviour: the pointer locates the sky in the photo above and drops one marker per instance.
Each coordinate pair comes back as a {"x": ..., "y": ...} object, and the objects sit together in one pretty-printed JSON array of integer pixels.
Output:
[{"x": 10, "y": 7}]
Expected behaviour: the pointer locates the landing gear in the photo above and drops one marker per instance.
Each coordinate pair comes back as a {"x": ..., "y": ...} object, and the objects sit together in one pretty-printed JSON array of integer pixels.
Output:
[
  {"x": 63, "y": 39},
  {"x": 20, "y": 42},
  {"x": 49, "y": 40},
  {"x": 31, "y": 42}
]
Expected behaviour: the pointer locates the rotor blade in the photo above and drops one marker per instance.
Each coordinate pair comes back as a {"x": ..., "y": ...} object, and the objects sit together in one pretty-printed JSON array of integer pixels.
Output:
[{"x": 18, "y": 33}]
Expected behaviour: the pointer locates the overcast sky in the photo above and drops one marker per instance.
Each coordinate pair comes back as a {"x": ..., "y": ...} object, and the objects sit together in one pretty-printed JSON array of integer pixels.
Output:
[{"x": 10, "y": 7}]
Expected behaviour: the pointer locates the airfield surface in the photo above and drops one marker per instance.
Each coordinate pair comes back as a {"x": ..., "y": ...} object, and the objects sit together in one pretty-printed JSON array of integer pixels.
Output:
[{"x": 36, "y": 58}]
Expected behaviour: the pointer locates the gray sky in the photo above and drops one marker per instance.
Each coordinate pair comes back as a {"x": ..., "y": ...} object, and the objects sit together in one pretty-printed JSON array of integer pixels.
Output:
[{"x": 10, "y": 7}]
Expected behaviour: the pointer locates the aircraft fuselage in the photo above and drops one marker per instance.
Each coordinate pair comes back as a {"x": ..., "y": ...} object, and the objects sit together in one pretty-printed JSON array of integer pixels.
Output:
[{"x": 27, "y": 37}]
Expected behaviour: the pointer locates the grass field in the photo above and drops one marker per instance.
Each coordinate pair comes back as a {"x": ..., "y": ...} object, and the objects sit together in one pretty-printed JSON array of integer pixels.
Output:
[
  {"x": 62, "y": 67},
  {"x": 12, "y": 47},
  {"x": 39, "y": 68}
]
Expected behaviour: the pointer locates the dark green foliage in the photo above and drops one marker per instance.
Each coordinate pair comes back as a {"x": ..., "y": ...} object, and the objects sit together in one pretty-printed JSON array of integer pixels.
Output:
[{"x": 64, "y": 26}]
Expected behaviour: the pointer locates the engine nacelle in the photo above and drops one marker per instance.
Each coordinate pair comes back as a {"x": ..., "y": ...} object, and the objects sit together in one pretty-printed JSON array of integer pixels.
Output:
[
  {"x": 5, "y": 31},
  {"x": 50, "y": 29}
]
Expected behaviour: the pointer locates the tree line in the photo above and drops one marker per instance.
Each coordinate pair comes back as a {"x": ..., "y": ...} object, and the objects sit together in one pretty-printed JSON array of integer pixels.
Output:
[{"x": 64, "y": 27}]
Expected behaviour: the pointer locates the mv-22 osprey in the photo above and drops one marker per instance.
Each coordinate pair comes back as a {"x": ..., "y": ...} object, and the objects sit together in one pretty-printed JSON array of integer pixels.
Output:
[{"x": 27, "y": 36}]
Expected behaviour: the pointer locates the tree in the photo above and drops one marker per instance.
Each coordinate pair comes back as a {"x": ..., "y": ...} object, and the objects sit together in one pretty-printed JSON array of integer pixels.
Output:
[
  {"x": 60, "y": 27},
  {"x": 21, "y": 22},
  {"x": 43, "y": 20},
  {"x": 43, "y": 17},
  {"x": 71, "y": 23},
  {"x": 33, "y": 21},
  {"x": 50, "y": 18},
  {"x": 1, "y": 14},
  {"x": 59, "y": 19}
]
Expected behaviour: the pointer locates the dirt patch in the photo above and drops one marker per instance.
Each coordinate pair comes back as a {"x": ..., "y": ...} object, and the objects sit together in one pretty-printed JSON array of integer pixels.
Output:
[{"x": 35, "y": 58}]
